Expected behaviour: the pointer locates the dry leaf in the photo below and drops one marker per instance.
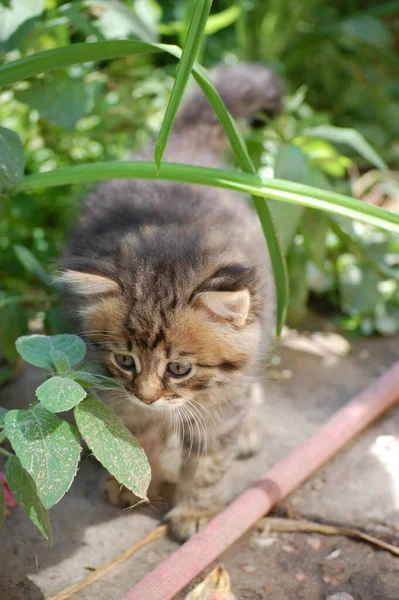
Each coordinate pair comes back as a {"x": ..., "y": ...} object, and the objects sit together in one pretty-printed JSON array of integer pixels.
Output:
[{"x": 216, "y": 586}]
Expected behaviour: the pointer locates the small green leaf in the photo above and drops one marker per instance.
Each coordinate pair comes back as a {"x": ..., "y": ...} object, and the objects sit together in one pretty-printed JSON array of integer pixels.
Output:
[
  {"x": 60, "y": 101},
  {"x": 119, "y": 21},
  {"x": 61, "y": 362},
  {"x": 191, "y": 46},
  {"x": 35, "y": 349},
  {"x": 113, "y": 445},
  {"x": 24, "y": 490},
  {"x": 350, "y": 137},
  {"x": 101, "y": 382},
  {"x": 3, "y": 412},
  {"x": 59, "y": 394},
  {"x": 48, "y": 449},
  {"x": 14, "y": 16},
  {"x": 296, "y": 261},
  {"x": 13, "y": 323},
  {"x": 31, "y": 264},
  {"x": 2, "y": 503},
  {"x": 12, "y": 160},
  {"x": 358, "y": 286},
  {"x": 55, "y": 321}
]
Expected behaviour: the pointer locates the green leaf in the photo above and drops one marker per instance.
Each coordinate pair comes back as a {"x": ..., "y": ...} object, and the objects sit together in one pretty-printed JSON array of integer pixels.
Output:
[
  {"x": 2, "y": 503},
  {"x": 12, "y": 161},
  {"x": 101, "y": 382},
  {"x": 350, "y": 137},
  {"x": 61, "y": 101},
  {"x": 358, "y": 286},
  {"x": 3, "y": 412},
  {"x": 290, "y": 164},
  {"x": 24, "y": 490},
  {"x": 61, "y": 362},
  {"x": 296, "y": 261},
  {"x": 31, "y": 264},
  {"x": 59, "y": 394},
  {"x": 48, "y": 449},
  {"x": 13, "y": 323},
  {"x": 215, "y": 22},
  {"x": 119, "y": 21},
  {"x": 255, "y": 185},
  {"x": 368, "y": 30},
  {"x": 191, "y": 46},
  {"x": 35, "y": 349},
  {"x": 13, "y": 18},
  {"x": 113, "y": 445},
  {"x": 55, "y": 321}
]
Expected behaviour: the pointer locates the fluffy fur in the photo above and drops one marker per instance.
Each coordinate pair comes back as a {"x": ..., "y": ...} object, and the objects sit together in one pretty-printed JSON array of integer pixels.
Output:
[{"x": 161, "y": 272}]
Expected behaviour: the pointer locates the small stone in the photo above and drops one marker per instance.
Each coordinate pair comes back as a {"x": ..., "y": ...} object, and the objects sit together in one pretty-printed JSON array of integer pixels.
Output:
[
  {"x": 313, "y": 542},
  {"x": 333, "y": 554},
  {"x": 340, "y": 596},
  {"x": 263, "y": 542},
  {"x": 331, "y": 580},
  {"x": 317, "y": 483},
  {"x": 268, "y": 589},
  {"x": 288, "y": 548},
  {"x": 301, "y": 576},
  {"x": 286, "y": 374},
  {"x": 248, "y": 568}
]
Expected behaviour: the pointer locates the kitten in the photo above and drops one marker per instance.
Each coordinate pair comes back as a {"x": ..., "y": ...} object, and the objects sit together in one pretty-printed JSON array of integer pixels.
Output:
[{"x": 172, "y": 284}]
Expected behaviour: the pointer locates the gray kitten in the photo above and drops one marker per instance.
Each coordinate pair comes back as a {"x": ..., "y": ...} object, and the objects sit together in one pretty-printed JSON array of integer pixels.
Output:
[{"x": 172, "y": 284}]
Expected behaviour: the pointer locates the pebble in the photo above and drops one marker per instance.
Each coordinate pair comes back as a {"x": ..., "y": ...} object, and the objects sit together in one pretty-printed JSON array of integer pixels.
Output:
[
  {"x": 340, "y": 596},
  {"x": 288, "y": 548},
  {"x": 263, "y": 541},
  {"x": 313, "y": 542},
  {"x": 248, "y": 568},
  {"x": 333, "y": 554},
  {"x": 301, "y": 576},
  {"x": 268, "y": 589},
  {"x": 331, "y": 581}
]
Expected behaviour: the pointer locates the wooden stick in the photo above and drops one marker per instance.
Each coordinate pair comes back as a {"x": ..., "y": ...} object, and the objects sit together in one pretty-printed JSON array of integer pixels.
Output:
[
  {"x": 174, "y": 573},
  {"x": 101, "y": 571}
]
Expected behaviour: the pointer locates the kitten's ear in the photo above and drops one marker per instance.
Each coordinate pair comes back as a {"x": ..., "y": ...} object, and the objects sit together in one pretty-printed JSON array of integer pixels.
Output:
[
  {"x": 88, "y": 284},
  {"x": 226, "y": 306}
]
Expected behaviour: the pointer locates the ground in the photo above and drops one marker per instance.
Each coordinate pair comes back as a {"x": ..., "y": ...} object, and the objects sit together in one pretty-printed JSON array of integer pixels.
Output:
[{"x": 318, "y": 373}]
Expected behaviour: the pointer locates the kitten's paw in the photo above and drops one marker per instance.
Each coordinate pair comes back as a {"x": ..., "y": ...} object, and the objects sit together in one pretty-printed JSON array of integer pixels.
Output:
[
  {"x": 117, "y": 495},
  {"x": 184, "y": 523}
]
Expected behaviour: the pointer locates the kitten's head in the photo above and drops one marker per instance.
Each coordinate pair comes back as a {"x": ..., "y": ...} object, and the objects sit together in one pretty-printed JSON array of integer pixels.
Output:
[{"x": 168, "y": 338}]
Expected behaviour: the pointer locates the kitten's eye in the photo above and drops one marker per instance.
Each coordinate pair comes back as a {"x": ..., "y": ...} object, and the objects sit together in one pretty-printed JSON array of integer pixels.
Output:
[
  {"x": 178, "y": 370},
  {"x": 125, "y": 361}
]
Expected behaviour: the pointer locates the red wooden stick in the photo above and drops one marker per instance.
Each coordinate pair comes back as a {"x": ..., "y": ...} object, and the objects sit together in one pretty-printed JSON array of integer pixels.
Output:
[{"x": 174, "y": 573}]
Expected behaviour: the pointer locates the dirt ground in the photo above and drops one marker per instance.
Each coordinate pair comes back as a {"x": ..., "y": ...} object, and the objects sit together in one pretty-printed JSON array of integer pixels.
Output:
[{"x": 318, "y": 372}]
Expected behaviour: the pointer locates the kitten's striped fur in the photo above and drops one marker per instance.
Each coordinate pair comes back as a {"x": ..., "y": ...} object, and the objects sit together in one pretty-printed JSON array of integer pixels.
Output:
[{"x": 162, "y": 271}]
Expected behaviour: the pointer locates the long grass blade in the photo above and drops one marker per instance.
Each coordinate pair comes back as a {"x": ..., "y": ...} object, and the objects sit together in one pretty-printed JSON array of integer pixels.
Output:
[
  {"x": 255, "y": 185},
  {"x": 59, "y": 58},
  {"x": 190, "y": 49}
]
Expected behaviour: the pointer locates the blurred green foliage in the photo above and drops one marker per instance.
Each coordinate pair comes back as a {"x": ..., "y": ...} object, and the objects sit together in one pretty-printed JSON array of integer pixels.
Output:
[{"x": 340, "y": 64}]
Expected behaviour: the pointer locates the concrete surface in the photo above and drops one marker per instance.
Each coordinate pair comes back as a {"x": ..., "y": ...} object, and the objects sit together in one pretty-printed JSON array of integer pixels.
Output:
[{"x": 318, "y": 372}]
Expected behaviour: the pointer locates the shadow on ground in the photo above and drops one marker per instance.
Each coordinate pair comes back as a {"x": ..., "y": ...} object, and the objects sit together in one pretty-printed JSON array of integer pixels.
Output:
[{"x": 318, "y": 373}]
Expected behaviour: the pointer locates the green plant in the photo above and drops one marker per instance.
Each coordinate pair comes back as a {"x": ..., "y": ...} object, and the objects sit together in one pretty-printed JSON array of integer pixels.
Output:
[
  {"x": 290, "y": 170},
  {"x": 47, "y": 448}
]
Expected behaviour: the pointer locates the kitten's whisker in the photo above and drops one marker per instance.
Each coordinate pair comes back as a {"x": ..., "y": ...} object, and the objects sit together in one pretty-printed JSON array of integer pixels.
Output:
[
  {"x": 201, "y": 420},
  {"x": 190, "y": 429}
]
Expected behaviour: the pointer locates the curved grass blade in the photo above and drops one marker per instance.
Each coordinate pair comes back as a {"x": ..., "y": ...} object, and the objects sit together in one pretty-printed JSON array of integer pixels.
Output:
[
  {"x": 255, "y": 185},
  {"x": 191, "y": 46},
  {"x": 62, "y": 57}
]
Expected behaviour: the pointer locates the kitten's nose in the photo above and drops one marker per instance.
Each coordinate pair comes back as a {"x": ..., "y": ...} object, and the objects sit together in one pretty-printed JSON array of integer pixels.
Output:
[
  {"x": 146, "y": 400},
  {"x": 147, "y": 389}
]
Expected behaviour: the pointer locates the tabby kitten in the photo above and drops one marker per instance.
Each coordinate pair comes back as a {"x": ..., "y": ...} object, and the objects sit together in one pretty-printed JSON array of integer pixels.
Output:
[{"x": 172, "y": 284}]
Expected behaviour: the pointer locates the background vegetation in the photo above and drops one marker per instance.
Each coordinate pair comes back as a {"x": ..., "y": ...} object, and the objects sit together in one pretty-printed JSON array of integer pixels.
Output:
[{"x": 339, "y": 131}]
